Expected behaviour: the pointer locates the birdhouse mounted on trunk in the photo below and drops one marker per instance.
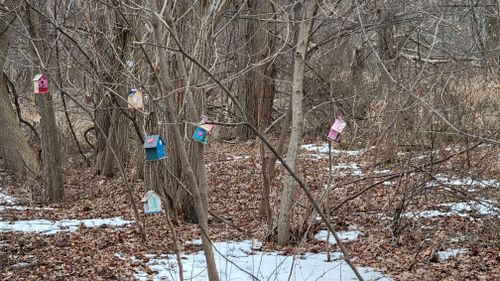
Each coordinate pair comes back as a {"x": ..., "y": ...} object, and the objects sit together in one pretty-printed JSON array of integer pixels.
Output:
[
  {"x": 40, "y": 84},
  {"x": 204, "y": 130},
  {"x": 135, "y": 99},
  {"x": 154, "y": 146},
  {"x": 151, "y": 202},
  {"x": 336, "y": 130}
]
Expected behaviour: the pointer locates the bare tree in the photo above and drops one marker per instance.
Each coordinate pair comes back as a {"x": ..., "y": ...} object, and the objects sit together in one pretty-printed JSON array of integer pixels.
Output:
[
  {"x": 287, "y": 195},
  {"x": 14, "y": 147},
  {"x": 51, "y": 148}
]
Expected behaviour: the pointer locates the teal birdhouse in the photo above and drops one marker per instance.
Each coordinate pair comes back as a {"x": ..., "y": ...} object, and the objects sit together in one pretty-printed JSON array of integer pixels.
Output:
[
  {"x": 154, "y": 147},
  {"x": 151, "y": 202},
  {"x": 201, "y": 135},
  {"x": 203, "y": 131}
]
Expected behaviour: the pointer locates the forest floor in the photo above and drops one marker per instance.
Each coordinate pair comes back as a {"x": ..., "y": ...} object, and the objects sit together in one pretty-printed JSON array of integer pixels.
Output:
[{"x": 423, "y": 222}]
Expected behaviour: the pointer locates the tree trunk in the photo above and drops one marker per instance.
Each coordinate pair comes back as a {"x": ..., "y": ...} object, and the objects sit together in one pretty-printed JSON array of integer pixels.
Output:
[
  {"x": 297, "y": 124},
  {"x": 257, "y": 95},
  {"x": 14, "y": 147},
  {"x": 51, "y": 154},
  {"x": 182, "y": 154},
  {"x": 112, "y": 58}
]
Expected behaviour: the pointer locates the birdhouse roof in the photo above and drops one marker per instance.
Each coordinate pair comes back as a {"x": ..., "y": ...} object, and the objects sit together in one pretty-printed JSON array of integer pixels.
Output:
[
  {"x": 134, "y": 91},
  {"x": 207, "y": 127},
  {"x": 148, "y": 194},
  {"x": 38, "y": 77},
  {"x": 152, "y": 141}
]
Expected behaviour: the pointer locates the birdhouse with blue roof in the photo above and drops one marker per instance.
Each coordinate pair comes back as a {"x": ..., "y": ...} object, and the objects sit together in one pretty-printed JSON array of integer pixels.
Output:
[
  {"x": 154, "y": 147},
  {"x": 204, "y": 130},
  {"x": 151, "y": 202},
  {"x": 41, "y": 84}
]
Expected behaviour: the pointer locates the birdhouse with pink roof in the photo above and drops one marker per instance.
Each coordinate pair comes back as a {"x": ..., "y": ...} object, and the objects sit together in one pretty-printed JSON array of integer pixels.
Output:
[
  {"x": 335, "y": 133},
  {"x": 204, "y": 130},
  {"x": 41, "y": 84}
]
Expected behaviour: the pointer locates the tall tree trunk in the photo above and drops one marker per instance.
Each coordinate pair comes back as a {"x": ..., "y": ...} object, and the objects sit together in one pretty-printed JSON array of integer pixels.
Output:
[
  {"x": 192, "y": 180},
  {"x": 297, "y": 123},
  {"x": 51, "y": 153},
  {"x": 257, "y": 95},
  {"x": 14, "y": 147},
  {"x": 111, "y": 59}
]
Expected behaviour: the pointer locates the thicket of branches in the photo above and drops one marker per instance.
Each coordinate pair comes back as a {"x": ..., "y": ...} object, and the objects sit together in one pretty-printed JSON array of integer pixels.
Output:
[{"x": 406, "y": 75}]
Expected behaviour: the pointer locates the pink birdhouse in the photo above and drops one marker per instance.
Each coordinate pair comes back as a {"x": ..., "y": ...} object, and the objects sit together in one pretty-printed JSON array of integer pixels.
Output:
[
  {"x": 335, "y": 133},
  {"x": 205, "y": 120},
  {"x": 40, "y": 84}
]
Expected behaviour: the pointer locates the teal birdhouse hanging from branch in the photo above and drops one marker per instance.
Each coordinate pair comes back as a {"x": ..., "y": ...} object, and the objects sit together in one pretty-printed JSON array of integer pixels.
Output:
[
  {"x": 151, "y": 202},
  {"x": 204, "y": 130},
  {"x": 154, "y": 147}
]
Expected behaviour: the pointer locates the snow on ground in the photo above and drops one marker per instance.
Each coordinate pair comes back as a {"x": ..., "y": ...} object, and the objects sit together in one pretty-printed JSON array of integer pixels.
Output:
[
  {"x": 24, "y": 208},
  {"x": 442, "y": 179},
  {"x": 462, "y": 209},
  {"x": 343, "y": 235},
  {"x": 322, "y": 150},
  {"x": 6, "y": 199},
  {"x": 52, "y": 227},
  {"x": 348, "y": 168},
  {"x": 237, "y": 157},
  {"x": 450, "y": 253},
  {"x": 48, "y": 227},
  {"x": 237, "y": 262}
]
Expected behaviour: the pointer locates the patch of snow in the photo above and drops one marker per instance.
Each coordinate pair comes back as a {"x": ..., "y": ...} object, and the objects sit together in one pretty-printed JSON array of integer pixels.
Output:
[
  {"x": 323, "y": 148},
  {"x": 461, "y": 209},
  {"x": 486, "y": 208},
  {"x": 7, "y": 199},
  {"x": 450, "y": 253},
  {"x": 30, "y": 260},
  {"x": 238, "y": 157},
  {"x": 382, "y": 171},
  {"x": 23, "y": 208},
  {"x": 343, "y": 235},
  {"x": 355, "y": 170},
  {"x": 196, "y": 242},
  {"x": 441, "y": 179},
  {"x": 52, "y": 227},
  {"x": 237, "y": 262}
]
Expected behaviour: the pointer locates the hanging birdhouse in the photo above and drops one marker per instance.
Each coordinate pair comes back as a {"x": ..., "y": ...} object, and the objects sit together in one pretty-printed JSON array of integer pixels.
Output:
[
  {"x": 135, "y": 99},
  {"x": 201, "y": 135},
  {"x": 40, "y": 84},
  {"x": 204, "y": 130},
  {"x": 154, "y": 146},
  {"x": 336, "y": 130},
  {"x": 151, "y": 202}
]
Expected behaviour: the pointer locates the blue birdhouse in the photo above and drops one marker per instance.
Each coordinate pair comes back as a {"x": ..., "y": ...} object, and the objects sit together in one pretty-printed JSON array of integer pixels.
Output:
[
  {"x": 155, "y": 148},
  {"x": 151, "y": 202},
  {"x": 201, "y": 135}
]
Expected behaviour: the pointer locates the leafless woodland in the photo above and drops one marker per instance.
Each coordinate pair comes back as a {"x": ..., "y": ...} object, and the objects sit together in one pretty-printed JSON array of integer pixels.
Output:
[{"x": 417, "y": 82}]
